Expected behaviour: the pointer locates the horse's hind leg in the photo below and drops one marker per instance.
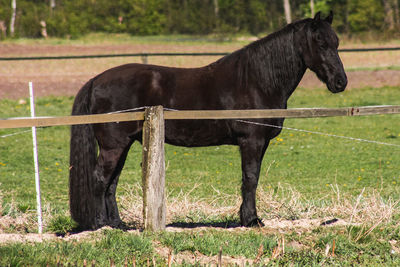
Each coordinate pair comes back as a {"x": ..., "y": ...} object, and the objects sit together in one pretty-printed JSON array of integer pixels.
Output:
[
  {"x": 106, "y": 174},
  {"x": 110, "y": 195}
]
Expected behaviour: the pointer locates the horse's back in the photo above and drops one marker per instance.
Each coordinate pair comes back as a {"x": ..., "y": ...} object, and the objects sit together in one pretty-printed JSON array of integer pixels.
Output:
[{"x": 139, "y": 85}]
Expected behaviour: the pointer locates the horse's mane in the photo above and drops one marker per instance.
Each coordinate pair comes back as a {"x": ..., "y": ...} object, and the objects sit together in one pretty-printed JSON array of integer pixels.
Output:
[{"x": 270, "y": 60}]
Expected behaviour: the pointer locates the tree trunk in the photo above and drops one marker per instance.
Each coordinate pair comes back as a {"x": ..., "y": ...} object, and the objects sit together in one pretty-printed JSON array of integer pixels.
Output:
[
  {"x": 312, "y": 8},
  {"x": 288, "y": 16},
  {"x": 13, "y": 14},
  {"x": 396, "y": 14},
  {"x": 216, "y": 8},
  {"x": 346, "y": 18},
  {"x": 389, "y": 14},
  {"x": 3, "y": 29}
]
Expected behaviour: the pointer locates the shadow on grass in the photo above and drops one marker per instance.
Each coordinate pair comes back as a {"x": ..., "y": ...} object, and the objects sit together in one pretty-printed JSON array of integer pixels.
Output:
[
  {"x": 77, "y": 230},
  {"x": 191, "y": 225}
]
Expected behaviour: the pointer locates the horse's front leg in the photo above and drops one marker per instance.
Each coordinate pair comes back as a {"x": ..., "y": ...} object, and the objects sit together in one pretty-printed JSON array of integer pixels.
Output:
[{"x": 252, "y": 153}]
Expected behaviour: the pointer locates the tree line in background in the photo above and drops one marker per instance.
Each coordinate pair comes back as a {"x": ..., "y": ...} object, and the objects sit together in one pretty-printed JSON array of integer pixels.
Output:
[{"x": 72, "y": 18}]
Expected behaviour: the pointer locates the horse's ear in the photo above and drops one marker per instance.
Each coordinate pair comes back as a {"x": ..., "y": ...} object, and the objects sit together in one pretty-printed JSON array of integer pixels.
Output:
[
  {"x": 316, "y": 20},
  {"x": 329, "y": 18},
  {"x": 317, "y": 16}
]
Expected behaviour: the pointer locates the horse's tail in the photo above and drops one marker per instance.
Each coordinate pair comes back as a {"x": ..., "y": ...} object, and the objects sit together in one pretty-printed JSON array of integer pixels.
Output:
[{"x": 83, "y": 152}]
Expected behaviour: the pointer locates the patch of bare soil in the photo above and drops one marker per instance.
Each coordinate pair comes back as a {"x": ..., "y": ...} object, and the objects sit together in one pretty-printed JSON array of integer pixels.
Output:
[
  {"x": 33, "y": 237},
  {"x": 18, "y": 50},
  {"x": 358, "y": 79},
  {"x": 271, "y": 226},
  {"x": 25, "y": 238}
]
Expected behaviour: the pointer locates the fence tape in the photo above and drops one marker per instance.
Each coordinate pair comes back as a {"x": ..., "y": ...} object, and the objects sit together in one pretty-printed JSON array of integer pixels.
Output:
[{"x": 248, "y": 122}]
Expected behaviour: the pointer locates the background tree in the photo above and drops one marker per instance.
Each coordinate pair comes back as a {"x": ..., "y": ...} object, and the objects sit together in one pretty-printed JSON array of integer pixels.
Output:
[
  {"x": 389, "y": 13},
  {"x": 365, "y": 15},
  {"x": 66, "y": 18},
  {"x": 288, "y": 14},
  {"x": 312, "y": 8},
  {"x": 13, "y": 14}
]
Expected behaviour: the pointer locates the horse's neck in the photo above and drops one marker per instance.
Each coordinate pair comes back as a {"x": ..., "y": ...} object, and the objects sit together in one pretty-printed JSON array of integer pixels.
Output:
[
  {"x": 280, "y": 70},
  {"x": 288, "y": 86}
]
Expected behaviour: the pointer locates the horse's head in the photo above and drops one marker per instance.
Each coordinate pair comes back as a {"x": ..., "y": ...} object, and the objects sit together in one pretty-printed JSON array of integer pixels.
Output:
[{"x": 318, "y": 46}]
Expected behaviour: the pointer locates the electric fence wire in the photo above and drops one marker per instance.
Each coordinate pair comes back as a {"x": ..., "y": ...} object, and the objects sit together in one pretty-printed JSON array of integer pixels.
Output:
[{"x": 320, "y": 133}]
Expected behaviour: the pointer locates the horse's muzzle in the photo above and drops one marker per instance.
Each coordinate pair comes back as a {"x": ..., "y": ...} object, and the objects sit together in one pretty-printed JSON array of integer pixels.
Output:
[{"x": 339, "y": 83}]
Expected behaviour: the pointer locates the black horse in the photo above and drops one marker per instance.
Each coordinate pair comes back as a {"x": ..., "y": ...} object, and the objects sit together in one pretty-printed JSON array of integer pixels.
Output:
[{"x": 261, "y": 75}]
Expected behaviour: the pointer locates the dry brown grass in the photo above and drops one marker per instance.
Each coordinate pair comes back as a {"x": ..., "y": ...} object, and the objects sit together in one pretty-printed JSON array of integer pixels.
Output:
[
  {"x": 281, "y": 209},
  {"x": 284, "y": 209},
  {"x": 182, "y": 208},
  {"x": 11, "y": 219},
  {"x": 288, "y": 203}
]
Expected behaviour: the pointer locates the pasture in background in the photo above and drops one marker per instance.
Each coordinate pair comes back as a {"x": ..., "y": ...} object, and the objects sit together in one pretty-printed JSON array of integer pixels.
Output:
[{"x": 65, "y": 77}]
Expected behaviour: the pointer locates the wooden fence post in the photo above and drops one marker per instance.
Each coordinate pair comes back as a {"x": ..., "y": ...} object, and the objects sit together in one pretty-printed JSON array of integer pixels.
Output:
[
  {"x": 153, "y": 169},
  {"x": 144, "y": 59}
]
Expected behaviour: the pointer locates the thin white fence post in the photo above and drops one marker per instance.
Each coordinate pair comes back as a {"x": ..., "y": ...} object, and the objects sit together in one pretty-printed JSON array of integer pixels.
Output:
[{"x": 36, "y": 163}]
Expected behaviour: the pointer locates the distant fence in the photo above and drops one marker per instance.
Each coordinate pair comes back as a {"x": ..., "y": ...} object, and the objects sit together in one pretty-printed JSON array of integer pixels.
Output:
[
  {"x": 144, "y": 56},
  {"x": 153, "y": 162}
]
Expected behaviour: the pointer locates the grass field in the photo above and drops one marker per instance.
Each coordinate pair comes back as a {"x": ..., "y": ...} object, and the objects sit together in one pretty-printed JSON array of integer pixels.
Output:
[{"x": 304, "y": 176}]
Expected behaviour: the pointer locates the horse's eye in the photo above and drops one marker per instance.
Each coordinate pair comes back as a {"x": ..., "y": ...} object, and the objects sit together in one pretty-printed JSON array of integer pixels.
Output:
[{"x": 320, "y": 41}]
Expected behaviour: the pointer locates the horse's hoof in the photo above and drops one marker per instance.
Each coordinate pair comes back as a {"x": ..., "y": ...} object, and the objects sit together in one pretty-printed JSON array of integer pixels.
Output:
[
  {"x": 254, "y": 223},
  {"x": 119, "y": 225}
]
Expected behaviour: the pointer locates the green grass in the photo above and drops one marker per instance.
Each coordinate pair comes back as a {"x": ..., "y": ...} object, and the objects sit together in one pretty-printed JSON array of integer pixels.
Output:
[
  {"x": 372, "y": 68},
  {"x": 121, "y": 38},
  {"x": 307, "y": 249},
  {"x": 111, "y": 244},
  {"x": 309, "y": 163},
  {"x": 209, "y": 243}
]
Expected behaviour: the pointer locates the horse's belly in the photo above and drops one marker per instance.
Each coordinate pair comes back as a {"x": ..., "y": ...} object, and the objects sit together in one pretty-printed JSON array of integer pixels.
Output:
[{"x": 194, "y": 133}]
